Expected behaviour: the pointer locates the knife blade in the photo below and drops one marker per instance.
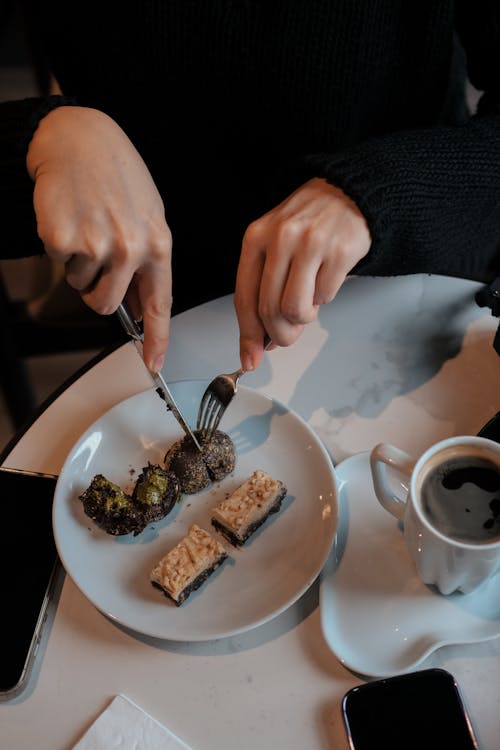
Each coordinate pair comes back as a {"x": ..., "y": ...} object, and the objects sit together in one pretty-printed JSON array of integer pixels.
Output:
[{"x": 130, "y": 326}]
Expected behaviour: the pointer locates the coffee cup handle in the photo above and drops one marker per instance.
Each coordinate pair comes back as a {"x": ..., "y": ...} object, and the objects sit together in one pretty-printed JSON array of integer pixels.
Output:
[{"x": 383, "y": 456}]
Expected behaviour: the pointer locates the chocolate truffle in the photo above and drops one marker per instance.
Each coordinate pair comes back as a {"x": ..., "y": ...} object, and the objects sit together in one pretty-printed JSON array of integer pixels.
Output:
[
  {"x": 155, "y": 493},
  {"x": 110, "y": 507},
  {"x": 197, "y": 470}
]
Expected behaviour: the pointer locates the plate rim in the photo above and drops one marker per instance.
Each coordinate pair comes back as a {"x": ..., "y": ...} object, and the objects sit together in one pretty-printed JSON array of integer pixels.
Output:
[{"x": 152, "y": 631}]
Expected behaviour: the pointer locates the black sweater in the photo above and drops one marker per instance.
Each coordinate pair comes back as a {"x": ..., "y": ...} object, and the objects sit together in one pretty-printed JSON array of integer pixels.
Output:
[{"x": 235, "y": 103}]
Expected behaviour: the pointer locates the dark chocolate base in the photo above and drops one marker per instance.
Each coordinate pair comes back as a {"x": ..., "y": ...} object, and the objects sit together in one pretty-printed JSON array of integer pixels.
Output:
[{"x": 195, "y": 584}]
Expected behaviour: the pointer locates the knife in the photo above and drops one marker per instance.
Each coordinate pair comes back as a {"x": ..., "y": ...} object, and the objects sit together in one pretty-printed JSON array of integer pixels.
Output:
[{"x": 131, "y": 327}]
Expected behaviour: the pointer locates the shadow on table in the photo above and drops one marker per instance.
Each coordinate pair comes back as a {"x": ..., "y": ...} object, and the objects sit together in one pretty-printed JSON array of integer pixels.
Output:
[{"x": 404, "y": 352}]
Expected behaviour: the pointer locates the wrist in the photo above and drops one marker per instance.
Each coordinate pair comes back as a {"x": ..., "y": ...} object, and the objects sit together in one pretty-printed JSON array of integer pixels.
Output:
[{"x": 37, "y": 116}]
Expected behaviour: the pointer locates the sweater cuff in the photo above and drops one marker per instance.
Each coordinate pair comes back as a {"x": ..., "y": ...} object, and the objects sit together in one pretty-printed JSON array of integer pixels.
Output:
[
  {"x": 39, "y": 112},
  {"x": 429, "y": 197},
  {"x": 20, "y": 118}
]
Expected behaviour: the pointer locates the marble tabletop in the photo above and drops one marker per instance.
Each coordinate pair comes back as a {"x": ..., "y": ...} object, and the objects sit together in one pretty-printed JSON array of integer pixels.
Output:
[{"x": 407, "y": 360}]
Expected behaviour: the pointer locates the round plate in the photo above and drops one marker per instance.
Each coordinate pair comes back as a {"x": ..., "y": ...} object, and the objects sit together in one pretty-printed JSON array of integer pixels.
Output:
[
  {"x": 260, "y": 580},
  {"x": 377, "y": 615}
]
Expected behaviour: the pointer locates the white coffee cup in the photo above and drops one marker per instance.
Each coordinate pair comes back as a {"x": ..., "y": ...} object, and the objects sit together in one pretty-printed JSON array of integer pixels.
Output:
[{"x": 452, "y": 527}]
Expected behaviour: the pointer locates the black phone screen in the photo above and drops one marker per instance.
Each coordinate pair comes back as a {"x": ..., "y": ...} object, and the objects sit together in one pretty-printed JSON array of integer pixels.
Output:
[
  {"x": 28, "y": 558},
  {"x": 416, "y": 710}
]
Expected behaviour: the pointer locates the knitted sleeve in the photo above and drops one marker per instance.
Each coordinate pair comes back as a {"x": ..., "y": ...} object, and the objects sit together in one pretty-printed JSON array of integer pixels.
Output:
[
  {"x": 431, "y": 196},
  {"x": 18, "y": 121}
]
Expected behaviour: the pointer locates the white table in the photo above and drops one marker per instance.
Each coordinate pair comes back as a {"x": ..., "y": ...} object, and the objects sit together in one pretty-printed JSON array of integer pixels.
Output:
[{"x": 408, "y": 360}]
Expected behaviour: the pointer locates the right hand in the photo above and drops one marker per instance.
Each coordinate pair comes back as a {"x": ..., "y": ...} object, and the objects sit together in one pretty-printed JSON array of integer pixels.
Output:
[
  {"x": 294, "y": 259},
  {"x": 99, "y": 212}
]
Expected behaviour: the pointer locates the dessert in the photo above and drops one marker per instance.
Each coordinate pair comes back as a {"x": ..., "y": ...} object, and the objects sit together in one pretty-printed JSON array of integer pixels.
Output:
[
  {"x": 243, "y": 512},
  {"x": 110, "y": 507},
  {"x": 197, "y": 470},
  {"x": 188, "y": 565},
  {"x": 155, "y": 493}
]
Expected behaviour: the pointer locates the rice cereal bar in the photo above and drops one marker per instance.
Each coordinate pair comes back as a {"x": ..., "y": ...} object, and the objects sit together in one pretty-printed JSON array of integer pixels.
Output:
[
  {"x": 241, "y": 514},
  {"x": 188, "y": 564}
]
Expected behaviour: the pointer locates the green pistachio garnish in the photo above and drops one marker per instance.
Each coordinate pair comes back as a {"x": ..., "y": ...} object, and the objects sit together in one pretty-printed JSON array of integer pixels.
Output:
[
  {"x": 152, "y": 489},
  {"x": 116, "y": 499},
  {"x": 107, "y": 495}
]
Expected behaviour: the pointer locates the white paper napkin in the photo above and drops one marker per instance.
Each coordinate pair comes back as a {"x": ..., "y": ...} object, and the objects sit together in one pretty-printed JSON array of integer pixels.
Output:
[{"x": 123, "y": 725}]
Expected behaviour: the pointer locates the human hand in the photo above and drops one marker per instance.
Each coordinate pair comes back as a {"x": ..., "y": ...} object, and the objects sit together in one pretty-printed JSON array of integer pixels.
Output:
[
  {"x": 294, "y": 259},
  {"x": 99, "y": 212}
]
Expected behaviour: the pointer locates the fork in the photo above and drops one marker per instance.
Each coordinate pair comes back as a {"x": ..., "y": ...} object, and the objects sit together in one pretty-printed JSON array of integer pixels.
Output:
[{"x": 217, "y": 397}]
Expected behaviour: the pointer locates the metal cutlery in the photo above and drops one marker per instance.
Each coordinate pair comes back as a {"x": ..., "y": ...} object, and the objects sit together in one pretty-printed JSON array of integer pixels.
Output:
[
  {"x": 134, "y": 331},
  {"x": 217, "y": 397}
]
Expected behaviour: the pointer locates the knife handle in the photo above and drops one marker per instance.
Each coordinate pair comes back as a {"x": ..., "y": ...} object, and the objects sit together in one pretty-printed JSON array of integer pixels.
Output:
[{"x": 128, "y": 322}]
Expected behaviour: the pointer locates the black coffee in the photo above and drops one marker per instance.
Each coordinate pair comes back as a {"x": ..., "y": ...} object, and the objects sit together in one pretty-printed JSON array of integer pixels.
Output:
[{"x": 461, "y": 499}]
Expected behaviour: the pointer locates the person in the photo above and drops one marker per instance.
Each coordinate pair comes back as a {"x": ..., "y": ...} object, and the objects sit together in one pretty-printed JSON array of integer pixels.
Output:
[{"x": 266, "y": 149}]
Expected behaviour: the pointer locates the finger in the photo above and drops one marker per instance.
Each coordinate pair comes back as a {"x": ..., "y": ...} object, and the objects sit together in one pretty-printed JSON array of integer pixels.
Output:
[
  {"x": 283, "y": 326},
  {"x": 81, "y": 271},
  {"x": 347, "y": 248},
  {"x": 298, "y": 301},
  {"x": 154, "y": 285},
  {"x": 246, "y": 297},
  {"x": 109, "y": 290},
  {"x": 329, "y": 279}
]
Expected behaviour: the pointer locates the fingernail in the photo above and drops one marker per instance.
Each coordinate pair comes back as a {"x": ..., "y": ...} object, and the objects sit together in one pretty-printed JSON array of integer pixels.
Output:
[
  {"x": 158, "y": 363},
  {"x": 247, "y": 362}
]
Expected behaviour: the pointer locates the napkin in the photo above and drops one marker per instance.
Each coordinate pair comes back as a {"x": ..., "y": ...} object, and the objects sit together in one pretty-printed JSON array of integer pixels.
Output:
[{"x": 123, "y": 725}]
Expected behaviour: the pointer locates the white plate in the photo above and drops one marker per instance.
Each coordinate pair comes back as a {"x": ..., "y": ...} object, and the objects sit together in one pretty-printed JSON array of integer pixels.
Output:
[
  {"x": 258, "y": 581},
  {"x": 377, "y": 616}
]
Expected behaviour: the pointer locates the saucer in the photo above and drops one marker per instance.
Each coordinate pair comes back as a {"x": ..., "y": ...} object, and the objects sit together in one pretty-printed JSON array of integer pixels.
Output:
[{"x": 377, "y": 616}]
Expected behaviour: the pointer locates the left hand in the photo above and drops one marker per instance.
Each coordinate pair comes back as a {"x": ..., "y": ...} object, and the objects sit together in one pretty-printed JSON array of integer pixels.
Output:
[
  {"x": 99, "y": 212},
  {"x": 294, "y": 259}
]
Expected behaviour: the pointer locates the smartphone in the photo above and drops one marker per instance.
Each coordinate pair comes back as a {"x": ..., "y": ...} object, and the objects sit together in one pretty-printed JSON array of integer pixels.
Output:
[
  {"x": 421, "y": 709},
  {"x": 30, "y": 567}
]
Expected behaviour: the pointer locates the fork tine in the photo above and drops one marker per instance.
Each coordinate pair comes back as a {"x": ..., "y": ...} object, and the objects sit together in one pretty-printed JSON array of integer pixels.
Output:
[
  {"x": 217, "y": 397},
  {"x": 203, "y": 408},
  {"x": 214, "y": 420},
  {"x": 207, "y": 405},
  {"x": 212, "y": 417},
  {"x": 209, "y": 402}
]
